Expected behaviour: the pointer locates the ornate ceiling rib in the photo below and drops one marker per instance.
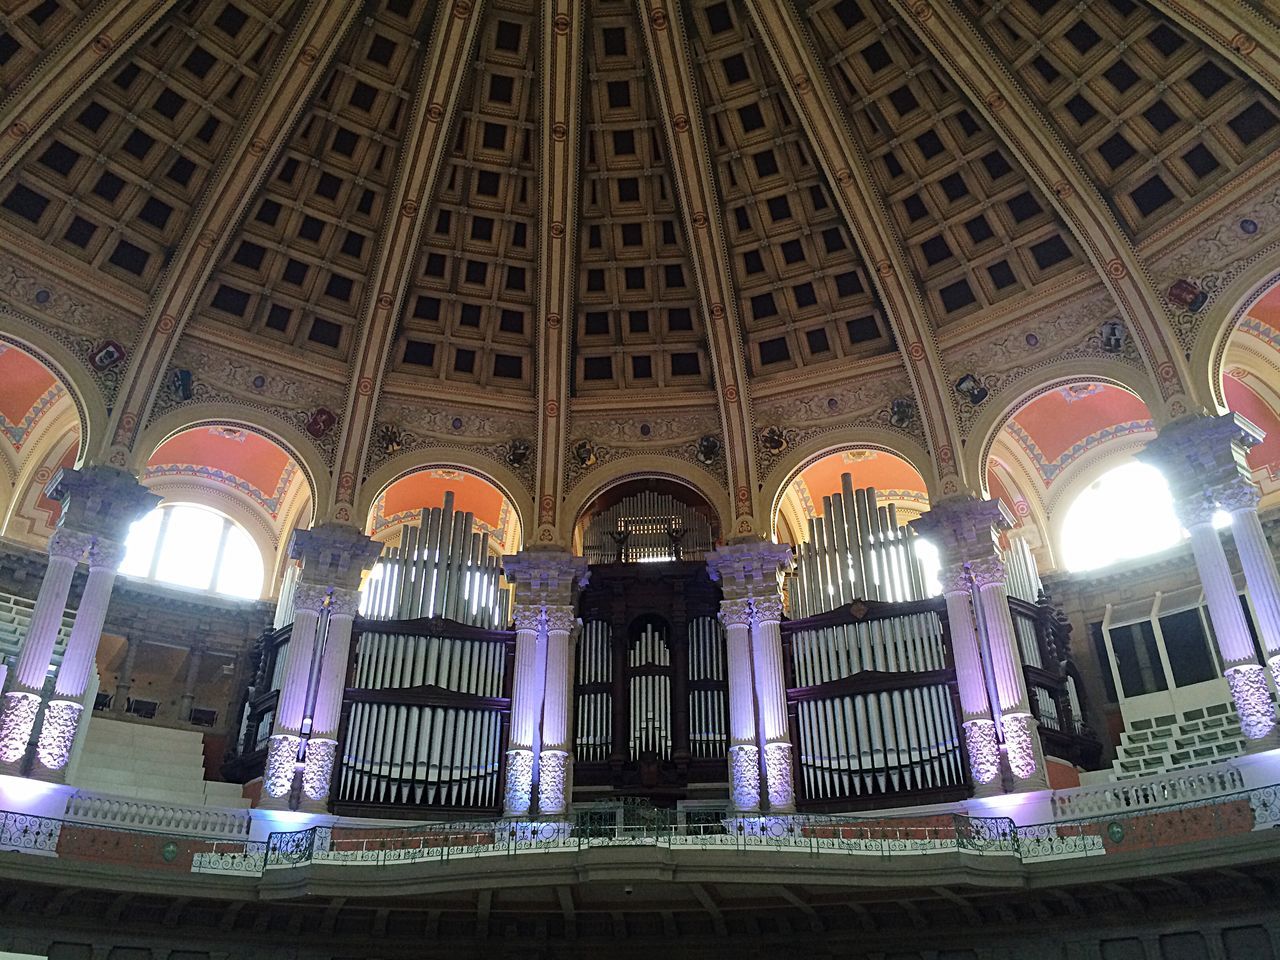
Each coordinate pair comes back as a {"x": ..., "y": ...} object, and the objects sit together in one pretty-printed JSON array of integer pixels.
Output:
[
  {"x": 845, "y": 165},
  {"x": 950, "y": 37},
  {"x": 426, "y": 142},
  {"x": 98, "y": 41},
  {"x": 700, "y": 209},
  {"x": 1241, "y": 35},
  {"x": 293, "y": 79},
  {"x": 562, "y": 59}
]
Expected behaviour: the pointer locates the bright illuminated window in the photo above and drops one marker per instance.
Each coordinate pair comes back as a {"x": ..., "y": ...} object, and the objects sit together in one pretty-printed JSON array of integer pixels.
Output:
[
  {"x": 1125, "y": 514},
  {"x": 192, "y": 546}
]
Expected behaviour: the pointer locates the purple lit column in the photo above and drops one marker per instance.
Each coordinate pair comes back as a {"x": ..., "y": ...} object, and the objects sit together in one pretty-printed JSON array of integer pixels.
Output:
[
  {"x": 1240, "y": 499},
  {"x": 26, "y": 680},
  {"x": 63, "y": 712},
  {"x": 326, "y": 711},
  {"x": 744, "y": 754},
  {"x": 525, "y": 708},
  {"x": 980, "y": 737},
  {"x": 771, "y": 702},
  {"x": 555, "y": 760}
]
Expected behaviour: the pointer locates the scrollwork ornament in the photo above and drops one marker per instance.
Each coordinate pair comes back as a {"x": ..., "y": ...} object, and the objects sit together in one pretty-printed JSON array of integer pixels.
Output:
[
  {"x": 1195, "y": 510},
  {"x": 561, "y": 619},
  {"x": 553, "y": 770},
  {"x": 1018, "y": 744},
  {"x": 1252, "y": 697},
  {"x": 282, "y": 756},
  {"x": 744, "y": 775},
  {"x": 344, "y": 603},
  {"x": 317, "y": 774},
  {"x": 58, "y": 733},
  {"x": 106, "y": 553},
  {"x": 518, "y": 791},
  {"x": 989, "y": 571},
  {"x": 984, "y": 750},
  {"x": 310, "y": 596},
  {"x": 527, "y": 616},
  {"x": 1239, "y": 494},
  {"x": 954, "y": 578},
  {"x": 70, "y": 544},
  {"x": 735, "y": 613},
  {"x": 777, "y": 768}
]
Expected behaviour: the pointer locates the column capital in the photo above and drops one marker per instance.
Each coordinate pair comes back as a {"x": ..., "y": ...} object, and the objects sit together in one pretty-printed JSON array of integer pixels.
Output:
[
  {"x": 753, "y": 569},
  {"x": 344, "y": 602},
  {"x": 766, "y": 609},
  {"x": 310, "y": 596},
  {"x": 964, "y": 528},
  {"x": 1238, "y": 494},
  {"x": 735, "y": 613},
  {"x": 334, "y": 554},
  {"x": 527, "y": 616},
  {"x": 545, "y": 577},
  {"x": 106, "y": 553},
  {"x": 99, "y": 500},
  {"x": 561, "y": 619},
  {"x": 988, "y": 571},
  {"x": 69, "y": 544},
  {"x": 1202, "y": 453}
]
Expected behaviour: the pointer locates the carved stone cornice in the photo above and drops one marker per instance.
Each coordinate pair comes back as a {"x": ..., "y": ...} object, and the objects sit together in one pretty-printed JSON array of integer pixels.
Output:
[
  {"x": 545, "y": 577},
  {"x": 751, "y": 569},
  {"x": 334, "y": 555}
]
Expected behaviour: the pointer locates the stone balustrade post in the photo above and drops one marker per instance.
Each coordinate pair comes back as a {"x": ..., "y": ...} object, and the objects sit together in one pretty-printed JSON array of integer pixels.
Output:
[
  {"x": 539, "y": 757},
  {"x": 750, "y": 575},
  {"x": 1204, "y": 461}
]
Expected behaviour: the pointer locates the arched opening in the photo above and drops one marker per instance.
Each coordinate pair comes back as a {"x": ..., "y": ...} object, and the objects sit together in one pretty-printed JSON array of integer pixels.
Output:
[
  {"x": 845, "y": 514},
  {"x": 190, "y": 545},
  {"x": 1250, "y": 375},
  {"x": 1054, "y": 446},
  {"x": 235, "y": 471},
  {"x": 40, "y": 433},
  {"x": 646, "y": 520}
]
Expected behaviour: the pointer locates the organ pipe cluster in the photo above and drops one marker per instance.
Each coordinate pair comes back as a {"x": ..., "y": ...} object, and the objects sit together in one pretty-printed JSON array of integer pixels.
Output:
[{"x": 647, "y": 527}]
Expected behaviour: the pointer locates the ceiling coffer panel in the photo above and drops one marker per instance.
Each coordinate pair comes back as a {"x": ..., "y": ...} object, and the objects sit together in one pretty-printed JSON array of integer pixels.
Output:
[
  {"x": 639, "y": 323},
  {"x": 113, "y": 182},
  {"x": 1156, "y": 118},
  {"x": 805, "y": 295},
  {"x": 29, "y": 30},
  {"x": 977, "y": 231},
  {"x": 469, "y": 314},
  {"x": 296, "y": 271}
]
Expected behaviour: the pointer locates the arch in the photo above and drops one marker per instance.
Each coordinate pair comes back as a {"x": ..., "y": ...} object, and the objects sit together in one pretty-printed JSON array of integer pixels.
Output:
[
  {"x": 451, "y": 458},
  {"x": 1209, "y": 351},
  {"x": 838, "y": 441},
  {"x": 221, "y": 414},
  {"x": 1111, "y": 373},
  {"x": 90, "y": 406},
  {"x": 642, "y": 467}
]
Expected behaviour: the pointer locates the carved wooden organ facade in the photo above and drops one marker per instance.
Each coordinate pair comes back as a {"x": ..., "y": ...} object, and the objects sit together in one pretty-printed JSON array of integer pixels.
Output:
[{"x": 871, "y": 699}]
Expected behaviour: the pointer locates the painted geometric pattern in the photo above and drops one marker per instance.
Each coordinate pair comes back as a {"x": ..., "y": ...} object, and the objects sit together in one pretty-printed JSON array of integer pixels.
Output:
[
  {"x": 882, "y": 496},
  {"x": 497, "y": 535},
  {"x": 17, "y": 433},
  {"x": 271, "y": 503},
  {"x": 1050, "y": 470},
  {"x": 1263, "y": 331}
]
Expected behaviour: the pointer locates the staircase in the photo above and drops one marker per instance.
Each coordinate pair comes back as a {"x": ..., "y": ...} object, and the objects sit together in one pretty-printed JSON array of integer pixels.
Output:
[{"x": 149, "y": 763}]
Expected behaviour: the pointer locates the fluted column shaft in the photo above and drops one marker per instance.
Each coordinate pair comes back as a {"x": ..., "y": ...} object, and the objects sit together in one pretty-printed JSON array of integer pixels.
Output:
[
  {"x": 326, "y": 709},
  {"x": 26, "y": 680},
  {"x": 771, "y": 702},
  {"x": 981, "y": 740},
  {"x": 555, "y": 762},
  {"x": 525, "y": 703},
  {"x": 744, "y": 753},
  {"x": 295, "y": 688},
  {"x": 1259, "y": 566}
]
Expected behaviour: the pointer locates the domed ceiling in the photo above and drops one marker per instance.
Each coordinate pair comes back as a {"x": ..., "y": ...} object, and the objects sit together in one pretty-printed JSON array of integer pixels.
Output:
[{"x": 563, "y": 242}]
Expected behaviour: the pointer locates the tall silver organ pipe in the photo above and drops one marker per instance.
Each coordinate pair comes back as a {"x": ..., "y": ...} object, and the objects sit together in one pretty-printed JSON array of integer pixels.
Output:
[
  {"x": 856, "y": 550},
  {"x": 1022, "y": 575},
  {"x": 594, "y": 708},
  {"x": 650, "y": 693},
  {"x": 647, "y": 527},
  {"x": 425, "y": 723},
  {"x": 441, "y": 568},
  {"x": 708, "y": 699}
]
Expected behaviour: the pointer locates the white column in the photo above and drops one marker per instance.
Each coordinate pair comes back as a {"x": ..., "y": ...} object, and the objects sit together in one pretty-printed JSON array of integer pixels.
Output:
[
  {"x": 744, "y": 753},
  {"x": 1023, "y": 750},
  {"x": 771, "y": 702},
  {"x": 326, "y": 710},
  {"x": 1259, "y": 566},
  {"x": 981, "y": 740},
  {"x": 555, "y": 762},
  {"x": 525, "y": 710},
  {"x": 63, "y": 713},
  {"x": 295, "y": 687},
  {"x": 22, "y": 701},
  {"x": 1245, "y": 676}
]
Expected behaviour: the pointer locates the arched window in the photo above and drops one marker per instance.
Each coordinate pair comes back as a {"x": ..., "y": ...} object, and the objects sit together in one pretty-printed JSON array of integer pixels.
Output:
[
  {"x": 1125, "y": 514},
  {"x": 192, "y": 546}
]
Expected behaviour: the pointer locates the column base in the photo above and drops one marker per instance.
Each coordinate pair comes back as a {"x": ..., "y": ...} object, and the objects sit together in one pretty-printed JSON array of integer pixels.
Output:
[
  {"x": 277, "y": 778},
  {"x": 517, "y": 796},
  {"x": 1023, "y": 753},
  {"x": 1252, "y": 697},
  {"x": 744, "y": 778},
  {"x": 778, "y": 782},
  {"x": 553, "y": 781},
  {"x": 317, "y": 774},
  {"x": 57, "y": 735},
  {"x": 983, "y": 747}
]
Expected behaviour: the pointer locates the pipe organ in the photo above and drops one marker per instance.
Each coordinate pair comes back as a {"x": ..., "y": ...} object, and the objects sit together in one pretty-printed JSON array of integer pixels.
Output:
[
  {"x": 647, "y": 527},
  {"x": 428, "y": 699}
]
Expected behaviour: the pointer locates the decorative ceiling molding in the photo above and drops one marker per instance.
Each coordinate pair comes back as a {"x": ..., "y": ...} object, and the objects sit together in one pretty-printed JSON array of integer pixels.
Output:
[
  {"x": 443, "y": 73},
  {"x": 98, "y": 40},
  {"x": 1004, "y": 104},
  {"x": 700, "y": 209},
  {"x": 842, "y": 159},
  {"x": 293, "y": 79},
  {"x": 561, "y": 33}
]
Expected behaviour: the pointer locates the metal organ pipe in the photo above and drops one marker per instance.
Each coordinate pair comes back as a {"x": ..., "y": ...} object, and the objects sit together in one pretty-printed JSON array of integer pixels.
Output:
[{"x": 647, "y": 527}]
